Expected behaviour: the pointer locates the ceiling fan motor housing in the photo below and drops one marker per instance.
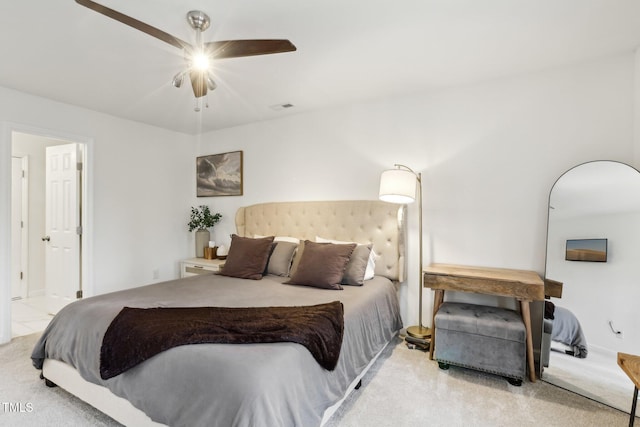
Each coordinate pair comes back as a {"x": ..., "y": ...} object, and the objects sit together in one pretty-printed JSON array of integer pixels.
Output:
[{"x": 198, "y": 20}]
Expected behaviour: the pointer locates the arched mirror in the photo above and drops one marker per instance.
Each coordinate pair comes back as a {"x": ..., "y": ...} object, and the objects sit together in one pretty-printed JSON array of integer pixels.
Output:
[{"x": 593, "y": 249}]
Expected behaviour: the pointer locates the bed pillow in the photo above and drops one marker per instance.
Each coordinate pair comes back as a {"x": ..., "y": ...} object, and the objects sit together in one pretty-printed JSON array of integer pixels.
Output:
[
  {"x": 280, "y": 238},
  {"x": 355, "y": 271},
  {"x": 247, "y": 257},
  {"x": 321, "y": 265},
  {"x": 296, "y": 258},
  {"x": 371, "y": 260},
  {"x": 279, "y": 263}
]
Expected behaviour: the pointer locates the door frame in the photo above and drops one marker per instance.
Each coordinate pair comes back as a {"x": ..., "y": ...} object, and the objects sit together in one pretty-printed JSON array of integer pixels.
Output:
[
  {"x": 86, "y": 252},
  {"x": 24, "y": 230}
]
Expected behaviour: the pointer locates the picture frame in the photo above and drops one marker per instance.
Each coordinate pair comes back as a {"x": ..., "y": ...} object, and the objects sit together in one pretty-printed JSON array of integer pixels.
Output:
[
  {"x": 590, "y": 250},
  {"x": 219, "y": 175}
]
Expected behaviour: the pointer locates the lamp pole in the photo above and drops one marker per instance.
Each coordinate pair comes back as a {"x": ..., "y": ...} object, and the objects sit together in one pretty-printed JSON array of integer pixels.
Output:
[
  {"x": 404, "y": 185},
  {"x": 418, "y": 331}
]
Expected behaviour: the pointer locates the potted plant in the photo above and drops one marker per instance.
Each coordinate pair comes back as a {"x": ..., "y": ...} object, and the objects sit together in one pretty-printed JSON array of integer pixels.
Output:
[{"x": 201, "y": 220}]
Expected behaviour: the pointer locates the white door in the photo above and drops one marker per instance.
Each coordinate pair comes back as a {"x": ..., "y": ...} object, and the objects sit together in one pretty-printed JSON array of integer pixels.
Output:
[
  {"x": 62, "y": 222},
  {"x": 18, "y": 227}
]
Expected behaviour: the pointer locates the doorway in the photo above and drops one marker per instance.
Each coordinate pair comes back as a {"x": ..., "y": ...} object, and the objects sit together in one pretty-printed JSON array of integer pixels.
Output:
[{"x": 33, "y": 309}]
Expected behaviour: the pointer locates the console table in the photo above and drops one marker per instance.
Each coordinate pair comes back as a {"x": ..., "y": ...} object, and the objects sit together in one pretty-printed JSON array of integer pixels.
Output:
[
  {"x": 523, "y": 285},
  {"x": 630, "y": 364}
]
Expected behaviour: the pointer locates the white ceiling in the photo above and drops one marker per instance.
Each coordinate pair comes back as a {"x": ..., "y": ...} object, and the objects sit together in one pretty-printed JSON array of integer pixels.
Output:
[{"x": 348, "y": 51}]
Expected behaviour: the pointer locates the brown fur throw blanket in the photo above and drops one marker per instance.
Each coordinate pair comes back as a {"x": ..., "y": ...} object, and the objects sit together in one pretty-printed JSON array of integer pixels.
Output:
[{"x": 137, "y": 334}]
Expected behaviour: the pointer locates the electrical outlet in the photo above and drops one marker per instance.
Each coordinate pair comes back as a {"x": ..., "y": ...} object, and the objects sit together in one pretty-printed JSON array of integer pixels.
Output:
[
  {"x": 615, "y": 331},
  {"x": 156, "y": 274}
]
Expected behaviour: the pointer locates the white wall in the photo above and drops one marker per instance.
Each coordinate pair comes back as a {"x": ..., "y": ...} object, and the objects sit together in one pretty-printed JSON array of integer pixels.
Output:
[
  {"x": 141, "y": 185},
  {"x": 489, "y": 155}
]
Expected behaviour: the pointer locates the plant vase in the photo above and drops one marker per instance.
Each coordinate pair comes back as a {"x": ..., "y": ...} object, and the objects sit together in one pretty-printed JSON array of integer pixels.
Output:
[
  {"x": 202, "y": 241},
  {"x": 201, "y": 219}
]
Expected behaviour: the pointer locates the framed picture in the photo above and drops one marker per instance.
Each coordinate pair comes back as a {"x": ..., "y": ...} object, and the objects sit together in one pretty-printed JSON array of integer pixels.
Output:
[{"x": 219, "y": 174}]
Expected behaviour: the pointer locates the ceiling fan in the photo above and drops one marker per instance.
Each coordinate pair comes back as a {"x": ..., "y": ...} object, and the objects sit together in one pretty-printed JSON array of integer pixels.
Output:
[{"x": 200, "y": 55}]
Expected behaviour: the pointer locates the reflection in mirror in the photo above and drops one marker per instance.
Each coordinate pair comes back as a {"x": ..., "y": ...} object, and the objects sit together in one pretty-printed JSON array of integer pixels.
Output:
[{"x": 597, "y": 315}]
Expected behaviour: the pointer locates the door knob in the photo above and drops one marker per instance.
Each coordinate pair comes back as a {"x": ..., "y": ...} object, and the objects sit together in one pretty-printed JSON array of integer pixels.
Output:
[{"x": 46, "y": 238}]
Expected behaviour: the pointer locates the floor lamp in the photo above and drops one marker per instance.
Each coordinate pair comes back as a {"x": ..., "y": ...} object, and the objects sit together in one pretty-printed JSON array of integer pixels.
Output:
[{"x": 403, "y": 185}]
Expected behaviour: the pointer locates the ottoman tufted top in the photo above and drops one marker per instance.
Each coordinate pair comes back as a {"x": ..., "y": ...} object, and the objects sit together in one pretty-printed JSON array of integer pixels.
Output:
[{"x": 482, "y": 320}]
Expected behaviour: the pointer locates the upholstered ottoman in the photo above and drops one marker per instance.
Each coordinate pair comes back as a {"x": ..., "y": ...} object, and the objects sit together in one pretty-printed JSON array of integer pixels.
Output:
[{"x": 489, "y": 339}]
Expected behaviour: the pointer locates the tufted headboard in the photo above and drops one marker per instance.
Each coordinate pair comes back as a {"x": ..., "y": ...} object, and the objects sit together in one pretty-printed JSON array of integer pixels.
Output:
[{"x": 364, "y": 221}]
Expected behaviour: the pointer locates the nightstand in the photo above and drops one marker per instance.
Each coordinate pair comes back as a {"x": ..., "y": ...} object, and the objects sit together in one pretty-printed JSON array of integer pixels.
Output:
[{"x": 194, "y": 266}]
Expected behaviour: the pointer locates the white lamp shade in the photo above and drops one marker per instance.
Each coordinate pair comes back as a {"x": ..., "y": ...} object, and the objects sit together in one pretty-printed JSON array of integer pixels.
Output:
[{"x": 398, "y": 186}]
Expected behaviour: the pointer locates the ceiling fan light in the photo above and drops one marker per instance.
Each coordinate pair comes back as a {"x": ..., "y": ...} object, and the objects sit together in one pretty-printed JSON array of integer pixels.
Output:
[
  {"x": 178, "y": 79},
  {"x": 200, "y": 61},
  {"x": 211, "y": 84}
]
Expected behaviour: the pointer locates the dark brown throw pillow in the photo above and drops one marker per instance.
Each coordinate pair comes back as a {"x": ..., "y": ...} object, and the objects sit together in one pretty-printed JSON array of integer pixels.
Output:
[
  {"x": 322, "y": 265},
  {"x": 247, "y": 257}
]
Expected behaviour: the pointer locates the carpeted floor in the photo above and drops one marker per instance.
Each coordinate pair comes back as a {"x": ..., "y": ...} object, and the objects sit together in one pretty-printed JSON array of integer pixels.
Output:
[
  {"x": 597, "y": 377},
  {"x": 402, "y": 389},
  {"x": 34, "y": 404}
]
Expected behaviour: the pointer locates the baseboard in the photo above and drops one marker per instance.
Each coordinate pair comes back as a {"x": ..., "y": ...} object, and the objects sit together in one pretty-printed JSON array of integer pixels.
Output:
[{"x": 36, "y": 293}]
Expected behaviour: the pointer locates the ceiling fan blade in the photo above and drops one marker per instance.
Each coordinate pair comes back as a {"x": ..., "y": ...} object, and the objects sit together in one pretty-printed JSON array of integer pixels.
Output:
[
  {"x": 134, "y": 23},
  {"x": 237, "y": 48},
  {"x": 198, "y": 83}
]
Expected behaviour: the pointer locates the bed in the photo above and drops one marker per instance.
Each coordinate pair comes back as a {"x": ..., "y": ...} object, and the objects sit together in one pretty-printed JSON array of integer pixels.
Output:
[
  {"x": 262, "y": 384},
  {"x": 564, "y": 333},
  {"x": 567, "y": 334}
]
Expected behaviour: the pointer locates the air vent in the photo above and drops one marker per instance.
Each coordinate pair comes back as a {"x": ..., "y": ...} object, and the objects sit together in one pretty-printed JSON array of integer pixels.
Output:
[{"x": 280, "y": 107}]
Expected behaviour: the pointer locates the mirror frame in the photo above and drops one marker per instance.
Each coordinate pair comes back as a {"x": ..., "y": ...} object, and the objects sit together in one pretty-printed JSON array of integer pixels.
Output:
[{"x": 546, "y": 265}]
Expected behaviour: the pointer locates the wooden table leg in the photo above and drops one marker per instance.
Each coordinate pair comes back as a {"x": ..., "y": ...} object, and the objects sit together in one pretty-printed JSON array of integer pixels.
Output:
[
  {"x": 632, "y": 417},
  {"x": 526, "y": 318},
  {"x": 437, "y": 302}
]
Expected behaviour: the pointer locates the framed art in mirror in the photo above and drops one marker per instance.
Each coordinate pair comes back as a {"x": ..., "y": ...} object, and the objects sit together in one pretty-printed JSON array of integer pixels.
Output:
[
  {"x": 588, "y": 250},
  {"x": 219, "y": 174}
]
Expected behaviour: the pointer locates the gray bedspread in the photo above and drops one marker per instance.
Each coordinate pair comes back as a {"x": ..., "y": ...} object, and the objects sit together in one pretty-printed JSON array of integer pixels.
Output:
[
  {"x": 567, "y": 330},
  {"x": 277, "y": 384}
]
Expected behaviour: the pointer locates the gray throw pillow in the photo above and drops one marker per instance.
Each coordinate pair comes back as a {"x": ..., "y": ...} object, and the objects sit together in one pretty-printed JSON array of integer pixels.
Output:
[
  {"x": 297, "y": 256},
  {"x": 357, "y": 266},
  {"x": 280, "y": 259}
]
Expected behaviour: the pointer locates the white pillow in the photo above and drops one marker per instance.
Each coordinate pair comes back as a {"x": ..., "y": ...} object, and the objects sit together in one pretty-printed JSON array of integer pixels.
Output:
[
  {"x": 280, "y": 238},
  {"x": 371, "y": 263}
]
